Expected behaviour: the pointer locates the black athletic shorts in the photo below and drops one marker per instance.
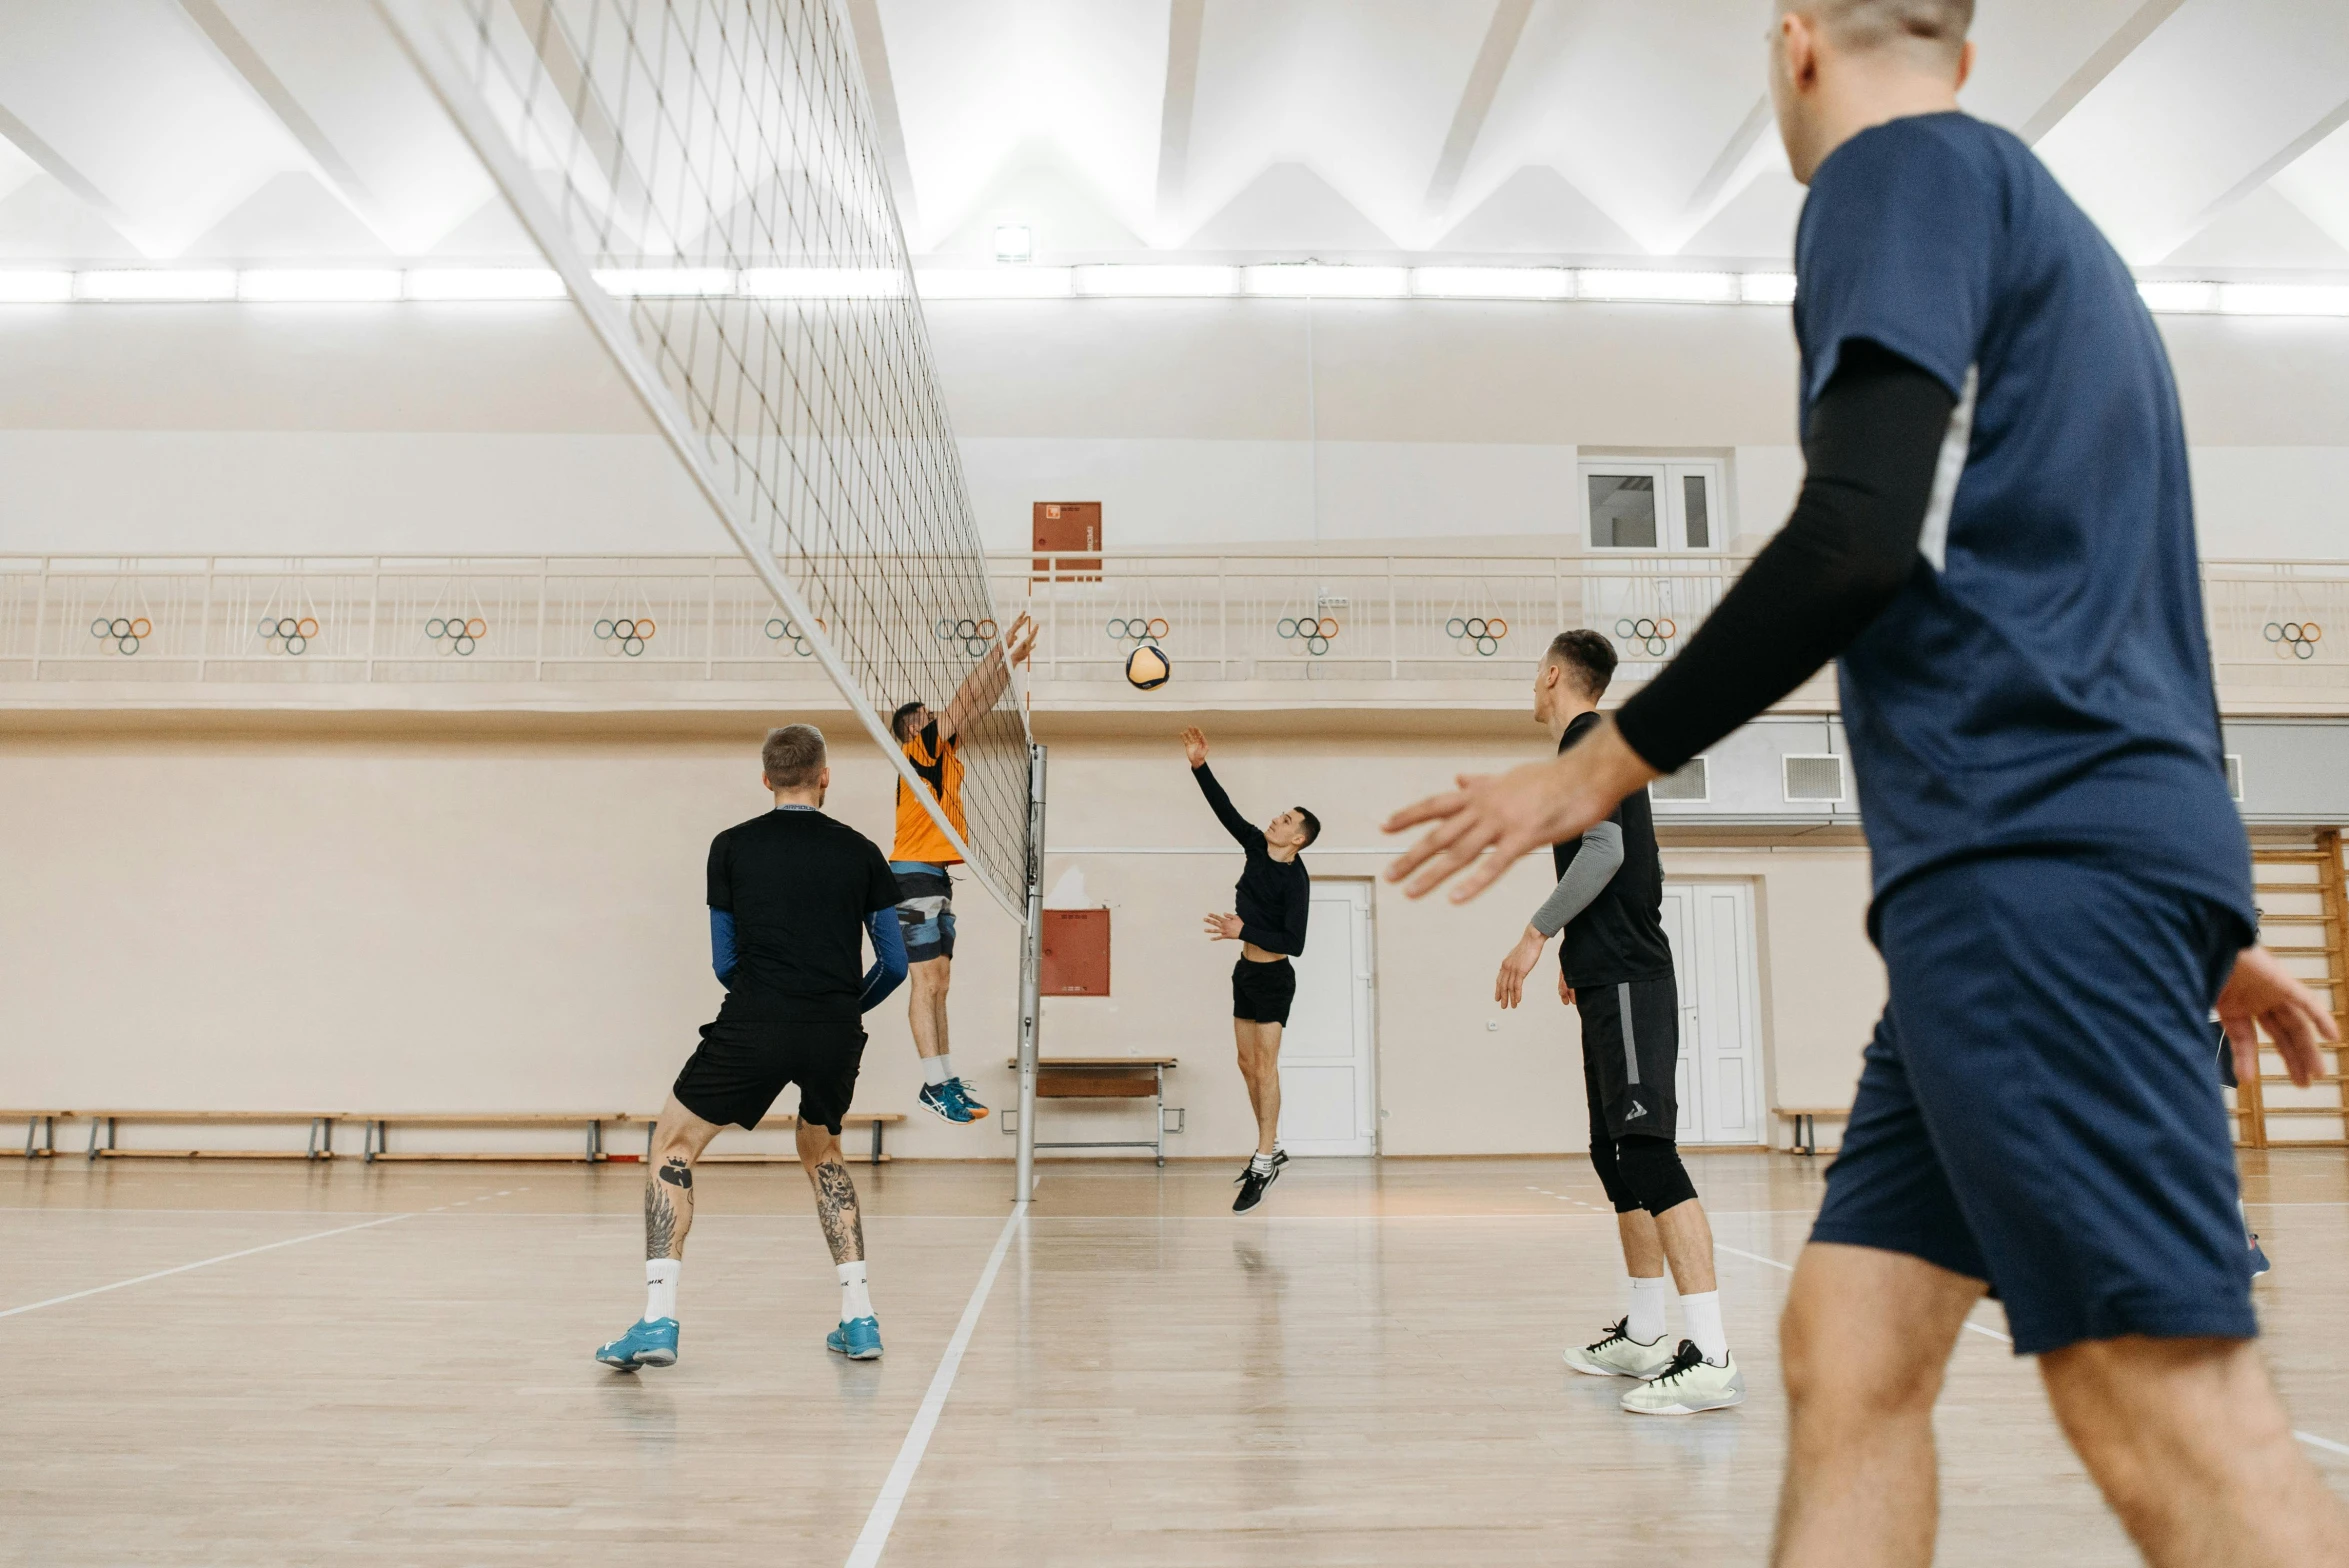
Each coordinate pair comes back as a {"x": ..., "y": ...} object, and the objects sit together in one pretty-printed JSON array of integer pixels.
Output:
[
  {"x": 1631, "y": 1057},
  {"x": 1261, "y": 993},
  {"x": 739, "y": 1068}
]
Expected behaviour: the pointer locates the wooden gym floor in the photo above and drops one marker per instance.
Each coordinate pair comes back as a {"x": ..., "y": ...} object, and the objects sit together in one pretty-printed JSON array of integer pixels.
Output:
[{"x": 391, "y": 1365}]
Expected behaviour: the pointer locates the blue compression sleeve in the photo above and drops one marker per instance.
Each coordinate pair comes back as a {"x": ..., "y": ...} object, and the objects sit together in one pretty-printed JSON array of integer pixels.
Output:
[
  {"x": 889, "y": 963},
  {"x": 723, "y": 956}
]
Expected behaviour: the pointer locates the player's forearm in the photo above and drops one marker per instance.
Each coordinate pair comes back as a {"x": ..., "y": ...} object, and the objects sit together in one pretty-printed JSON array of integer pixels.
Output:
[
  {"x": 978, "y": 693},
  {"x": 1597, "y": 858},
  {"x": 1845, "y": 554},
  {"x": 723, "y": 954},
  {"x": 1226, "y": 813}
]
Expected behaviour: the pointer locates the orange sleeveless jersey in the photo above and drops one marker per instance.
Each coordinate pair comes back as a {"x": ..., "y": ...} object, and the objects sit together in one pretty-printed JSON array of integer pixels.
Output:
[{"x": 940, "y": 766}]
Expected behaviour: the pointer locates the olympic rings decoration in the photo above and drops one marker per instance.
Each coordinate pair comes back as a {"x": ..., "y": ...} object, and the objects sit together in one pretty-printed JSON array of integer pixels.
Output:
[
  {"x": 974, "y": 635},
  {"x": 1139, "y": 629},
  {"x": 2294, "y": 639},
  {"x": 457, "y": 634},
  {"x": 286, "y": 633},
  {"x": 126, "y": 632},
  {"x": 1480, "y": 632},
  {"x": 1315, "y": 632},
  {"x": 626, "y": 636},
  {"x": 779, "y": 630},
  {"x": 1653, "y": 634}
]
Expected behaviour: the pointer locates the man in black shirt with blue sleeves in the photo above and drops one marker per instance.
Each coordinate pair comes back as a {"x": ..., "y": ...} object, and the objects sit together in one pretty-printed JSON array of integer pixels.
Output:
[
  {"x": 1995, "y": 539},
  {"x": 1272, "y": 902}
]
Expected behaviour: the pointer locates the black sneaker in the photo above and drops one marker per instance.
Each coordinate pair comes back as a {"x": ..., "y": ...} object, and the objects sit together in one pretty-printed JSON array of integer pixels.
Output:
[{"x": 1252, "y": 1184}]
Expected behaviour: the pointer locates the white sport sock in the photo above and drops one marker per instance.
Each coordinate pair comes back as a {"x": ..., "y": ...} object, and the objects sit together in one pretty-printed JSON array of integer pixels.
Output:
[
  {"x": 855, "y": 1301},
  {"x": 660, "y": 1288},
  {"x": 934, "y": 1070},
  {"x": 1701, "y": 1314},
  {"x": 1645, "y": 1321}
]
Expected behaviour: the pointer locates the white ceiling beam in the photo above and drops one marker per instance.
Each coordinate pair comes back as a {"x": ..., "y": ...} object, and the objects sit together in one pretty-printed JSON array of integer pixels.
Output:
[
  {"x": 2282, "y": 159},
  {"x": 54, "y": 164},
  {"x": 2123, "y": 43},
  {"x": 233, "y": 47},
  {"x": 872, "y": 51},
  {"x": 1476, "y": 102},
  {"x": 630, "y": 198},
  {"x": 1185, "y": 21}
]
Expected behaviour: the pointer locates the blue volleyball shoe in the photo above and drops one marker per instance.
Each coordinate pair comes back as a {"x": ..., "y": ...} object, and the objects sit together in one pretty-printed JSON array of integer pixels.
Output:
[
  {"x": 645, "y": 1344},
  {"x": 859, "y": 1339},
  {"x": 944, "y": 1100},
  {"x": 967, "y": 1100}
]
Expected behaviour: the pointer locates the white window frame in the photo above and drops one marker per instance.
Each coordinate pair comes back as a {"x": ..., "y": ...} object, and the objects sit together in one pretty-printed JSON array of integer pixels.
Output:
[{"x": 1670, "y": 474}]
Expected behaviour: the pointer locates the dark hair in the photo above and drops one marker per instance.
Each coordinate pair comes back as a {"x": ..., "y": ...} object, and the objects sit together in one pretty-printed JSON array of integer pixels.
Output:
[
  {"x": 1312, "y": 825},
  {"x": 898, "y": 719},
  {"x": 1589, "y": 658},
  {"x": 793, "y": 757}
]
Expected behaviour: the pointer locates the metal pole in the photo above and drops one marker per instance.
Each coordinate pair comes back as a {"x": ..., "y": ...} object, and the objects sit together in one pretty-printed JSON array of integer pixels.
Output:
[{"x": 1031, "y": 978}]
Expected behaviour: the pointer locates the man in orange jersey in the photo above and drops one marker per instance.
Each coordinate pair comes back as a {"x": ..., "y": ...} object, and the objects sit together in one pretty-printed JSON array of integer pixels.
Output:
[{"x": 922, "y": 853}]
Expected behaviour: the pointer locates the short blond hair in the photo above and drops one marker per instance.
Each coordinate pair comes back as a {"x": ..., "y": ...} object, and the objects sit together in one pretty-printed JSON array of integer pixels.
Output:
[
  {"x": 1936, "y": 25},
  {"x": 793, "y": 756}
]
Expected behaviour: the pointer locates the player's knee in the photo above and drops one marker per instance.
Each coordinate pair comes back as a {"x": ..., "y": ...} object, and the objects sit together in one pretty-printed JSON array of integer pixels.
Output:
[
  {"x": 1610, "y": 1173},
  {"x": 1650, "y": 1170},
  {"x": 929, "y": 976}
]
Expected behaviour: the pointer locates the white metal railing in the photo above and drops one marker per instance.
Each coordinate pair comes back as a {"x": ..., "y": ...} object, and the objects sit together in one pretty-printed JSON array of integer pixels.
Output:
[{"x": 2279, "y": 632}]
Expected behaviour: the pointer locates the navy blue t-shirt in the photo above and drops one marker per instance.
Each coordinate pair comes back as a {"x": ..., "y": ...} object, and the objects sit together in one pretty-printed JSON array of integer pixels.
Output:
[{"x": 2043, "y": 683}]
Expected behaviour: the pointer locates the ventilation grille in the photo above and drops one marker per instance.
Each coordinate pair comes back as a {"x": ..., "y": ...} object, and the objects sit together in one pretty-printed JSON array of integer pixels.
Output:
[
  {"x": 1814, "y": 778},
  {"x": 1690, "y": 786},
  {"x": 2235, "y": 777}
]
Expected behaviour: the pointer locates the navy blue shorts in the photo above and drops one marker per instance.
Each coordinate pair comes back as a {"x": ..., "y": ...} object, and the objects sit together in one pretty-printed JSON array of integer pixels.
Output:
[{"x": 2038, "y": 1110}]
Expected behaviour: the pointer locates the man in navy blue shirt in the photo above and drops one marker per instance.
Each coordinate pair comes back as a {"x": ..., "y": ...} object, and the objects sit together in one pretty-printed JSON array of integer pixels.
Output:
[{"x": 1995, "y": 535}]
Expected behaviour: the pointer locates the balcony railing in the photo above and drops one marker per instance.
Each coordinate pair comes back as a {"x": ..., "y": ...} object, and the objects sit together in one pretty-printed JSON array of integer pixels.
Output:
[{"x": 1361, "y": 625}]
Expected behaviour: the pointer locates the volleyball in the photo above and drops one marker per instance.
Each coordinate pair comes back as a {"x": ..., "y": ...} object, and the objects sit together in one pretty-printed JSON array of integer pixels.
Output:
[{"x": 1147, "y": 668}]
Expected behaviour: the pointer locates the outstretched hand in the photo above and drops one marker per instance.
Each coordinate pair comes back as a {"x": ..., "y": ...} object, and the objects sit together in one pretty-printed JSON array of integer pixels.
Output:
[
  {"x": 1195, "y": 747},
  {"x": 2262, "y": 991},
  {"x": 1514, "y": 813},
  {"x": 1223, "y": 928},
  {"x": 1020, "y": 641}
]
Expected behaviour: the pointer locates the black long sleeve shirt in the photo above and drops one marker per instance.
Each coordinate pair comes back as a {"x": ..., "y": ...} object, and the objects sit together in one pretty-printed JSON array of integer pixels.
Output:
[{"x": 1273, "y": 897}]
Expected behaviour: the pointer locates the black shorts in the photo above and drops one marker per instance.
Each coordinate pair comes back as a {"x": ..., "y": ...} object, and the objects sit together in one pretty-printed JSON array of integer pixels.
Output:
[
  {"x": 1261, "y": 993},
  {"x": 1631, "y": 1057},
  {"x": 739, "y": 1068}
]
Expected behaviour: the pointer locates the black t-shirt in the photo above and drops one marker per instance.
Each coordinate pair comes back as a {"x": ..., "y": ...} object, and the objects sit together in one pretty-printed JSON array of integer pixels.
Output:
[
  {"x": 1620, "y": 936},
  {"x": 799, "y": 886}
]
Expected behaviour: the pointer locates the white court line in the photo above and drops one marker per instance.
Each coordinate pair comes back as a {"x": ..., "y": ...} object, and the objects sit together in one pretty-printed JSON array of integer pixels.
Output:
[
  {"x": 1740, "y": 1252},
  {"x": 878, "y": 1523},
  {"x": 204, "y": 1263},
  {"x": 2325, "y": 1443}
]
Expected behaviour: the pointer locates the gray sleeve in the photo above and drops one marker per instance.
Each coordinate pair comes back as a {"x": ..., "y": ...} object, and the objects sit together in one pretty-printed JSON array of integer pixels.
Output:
[{"x": 1593, "y": 867}]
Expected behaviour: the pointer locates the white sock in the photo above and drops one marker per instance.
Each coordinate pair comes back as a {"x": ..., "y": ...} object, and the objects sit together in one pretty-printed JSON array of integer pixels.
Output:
[
  {"x": 1646, "y": 1319},
  {"x": 660, "y": 1288},
  {"x": 855, "y": 1301},
  {"x": 1261, "y": 1164},
  {"x": 1701, "y": 1314},
  {"x": 935, "y": 1071}
]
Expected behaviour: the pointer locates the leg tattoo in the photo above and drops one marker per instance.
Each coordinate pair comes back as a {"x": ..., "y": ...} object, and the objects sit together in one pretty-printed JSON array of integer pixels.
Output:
[
  {"x": 836, "y": 1211},
  {"x": 660, "y": 1223},
  {"x": 676, "y": 1172}
]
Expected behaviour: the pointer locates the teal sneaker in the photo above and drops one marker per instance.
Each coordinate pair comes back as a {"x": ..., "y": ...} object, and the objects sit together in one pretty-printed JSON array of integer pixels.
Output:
[
  {"x": 941, "y": 1099},
  {"x": 859, "y": 1339},
  {"x": 644, "y": 1345},
  {"x": 967, "y": 1100}
]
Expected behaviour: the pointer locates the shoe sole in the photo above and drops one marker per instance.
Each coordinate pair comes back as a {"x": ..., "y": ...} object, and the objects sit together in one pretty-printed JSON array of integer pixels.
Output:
[
  {"x": 945, "y": 1115},
  {"x": 1684, "y": 1410},
  {"x": 854, "y": 1355},
  {"x": 652, "y": 1359},
  {"x": 1594, "y": 1369}
]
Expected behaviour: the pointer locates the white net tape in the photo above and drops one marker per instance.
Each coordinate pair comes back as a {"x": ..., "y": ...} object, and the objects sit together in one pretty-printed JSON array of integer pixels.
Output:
[{"x": 704, "y": 175}]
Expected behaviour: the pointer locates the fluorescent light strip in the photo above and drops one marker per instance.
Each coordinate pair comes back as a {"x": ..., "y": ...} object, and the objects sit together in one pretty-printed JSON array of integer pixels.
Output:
[
  {"x": 35, "y": 288},
  {"x": 155, "y": 283},
  {"x": 665, "y": 282},
  {"x": 1670, "y": 288},
  {"x": 340, "y": 286},
  {"x": 996, "y": 283},
  {"x": 1312, "y": 280},
  {"x": 1492, "y": 283},
  {"x": 822, "y": 283},
  {"x": 1132, "y": 280},
  {"x": 485, "y": 283},
  {"x": 2283, "y": 299}
]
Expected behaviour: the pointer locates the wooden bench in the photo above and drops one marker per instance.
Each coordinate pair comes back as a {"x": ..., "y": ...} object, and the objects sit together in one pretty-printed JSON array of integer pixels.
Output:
[
  {"x": 103, "y": 1123},
  {"x": 40, "y": 1132},
  {"x": 1108, "y": 1078},
  {"x": 379, "y": 1125},
  {"x": 1805, "y": 1131}
]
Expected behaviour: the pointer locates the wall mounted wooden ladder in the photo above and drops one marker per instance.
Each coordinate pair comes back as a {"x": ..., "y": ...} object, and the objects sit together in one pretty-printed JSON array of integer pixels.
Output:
[{"x": 2303, "y": 897}]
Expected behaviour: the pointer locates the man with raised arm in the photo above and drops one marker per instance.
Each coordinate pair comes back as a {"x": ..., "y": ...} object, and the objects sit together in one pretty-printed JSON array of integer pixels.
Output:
[
  {"x": 1271, "y": 906},
  {"x": 792, "y": 894},
  {"x": 1615, "y": 968},
  {"x": 1996, "y": 537},
  {"x": 922, "y": 853}
]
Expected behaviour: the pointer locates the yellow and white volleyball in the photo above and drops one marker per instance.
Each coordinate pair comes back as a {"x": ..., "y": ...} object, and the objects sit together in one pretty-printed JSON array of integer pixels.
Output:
[{"x": 1147, "y": 668}]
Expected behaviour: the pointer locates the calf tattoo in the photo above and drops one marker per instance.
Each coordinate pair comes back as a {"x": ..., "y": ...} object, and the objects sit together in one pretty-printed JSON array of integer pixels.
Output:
[
  {"x": 660, "y": 1222},
  {"x": 836, "y": 1210},
  {"x": 677, "y": 1173}
]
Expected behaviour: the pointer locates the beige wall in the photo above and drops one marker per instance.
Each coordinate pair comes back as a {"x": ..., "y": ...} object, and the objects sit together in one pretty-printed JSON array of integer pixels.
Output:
[{"x": 493, "y": 922}]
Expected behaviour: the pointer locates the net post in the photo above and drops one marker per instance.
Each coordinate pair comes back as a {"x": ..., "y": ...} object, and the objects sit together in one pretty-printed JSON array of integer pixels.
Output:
[{"x": 1031, "y": 978}]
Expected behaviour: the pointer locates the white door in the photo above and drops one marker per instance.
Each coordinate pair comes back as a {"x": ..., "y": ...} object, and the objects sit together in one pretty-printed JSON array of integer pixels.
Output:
[
  {"x": 1328, "y": 1102},
  {"x": 1711, "y": 928}
]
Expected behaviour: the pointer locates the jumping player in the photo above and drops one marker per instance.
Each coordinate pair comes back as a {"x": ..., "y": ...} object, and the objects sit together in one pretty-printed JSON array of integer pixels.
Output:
[
  {"x": 922, "y": 853},
  {"x": 1273, "y": 900},
  {"x": 1996, "y": 538},
  {"x": 789, "y": 892},
  {"x": 1615, "y": 967}
]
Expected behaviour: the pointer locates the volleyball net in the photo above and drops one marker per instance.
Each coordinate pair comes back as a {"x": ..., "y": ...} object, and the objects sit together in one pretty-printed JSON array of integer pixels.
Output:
[{"x": 705, "y": 177}]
